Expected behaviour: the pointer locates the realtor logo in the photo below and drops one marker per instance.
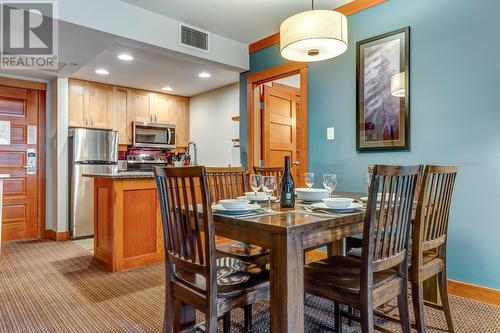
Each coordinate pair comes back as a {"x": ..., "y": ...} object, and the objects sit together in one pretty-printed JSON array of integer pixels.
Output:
[{"x": 28, "y": 35}]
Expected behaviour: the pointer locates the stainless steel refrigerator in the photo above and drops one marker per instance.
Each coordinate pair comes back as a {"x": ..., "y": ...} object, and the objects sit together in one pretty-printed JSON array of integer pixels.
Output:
[{"x": 90, "y": 151}]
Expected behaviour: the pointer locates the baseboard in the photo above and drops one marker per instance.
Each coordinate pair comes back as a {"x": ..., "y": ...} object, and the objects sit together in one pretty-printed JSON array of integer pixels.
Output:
[
  {"x": 57, "y": 236},
  {"x": 477, "y": 293}
]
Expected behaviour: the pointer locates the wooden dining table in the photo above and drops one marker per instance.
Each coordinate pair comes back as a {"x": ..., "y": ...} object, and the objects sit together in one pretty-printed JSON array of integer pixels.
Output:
[{"x": 288, "y": 233}]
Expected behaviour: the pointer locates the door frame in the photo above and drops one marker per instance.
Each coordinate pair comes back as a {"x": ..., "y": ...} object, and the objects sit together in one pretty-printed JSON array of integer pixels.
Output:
[
  {"x": 254, "y": 80},
  {"x": 41, "y": 87}
]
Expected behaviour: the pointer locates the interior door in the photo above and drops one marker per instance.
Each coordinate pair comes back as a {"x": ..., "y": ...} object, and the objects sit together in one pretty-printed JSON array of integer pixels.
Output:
[
  {"x": 279, "y": 127},
  {"x": 20, "y": 108}
]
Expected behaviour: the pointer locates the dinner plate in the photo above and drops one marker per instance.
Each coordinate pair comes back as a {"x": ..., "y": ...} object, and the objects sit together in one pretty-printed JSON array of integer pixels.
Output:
[
  {"x": 350, "y": 209},
  {"x": 219, "y": 209},
  {"x": 258, "y": 199}
]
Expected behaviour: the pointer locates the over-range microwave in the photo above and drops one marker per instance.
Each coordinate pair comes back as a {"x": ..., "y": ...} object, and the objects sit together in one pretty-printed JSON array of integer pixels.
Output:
[{"x": 153, "y": 135}]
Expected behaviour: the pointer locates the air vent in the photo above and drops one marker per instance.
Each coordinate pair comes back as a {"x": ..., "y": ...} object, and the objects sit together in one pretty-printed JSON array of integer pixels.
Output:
[{"x": 194, "y": 38}]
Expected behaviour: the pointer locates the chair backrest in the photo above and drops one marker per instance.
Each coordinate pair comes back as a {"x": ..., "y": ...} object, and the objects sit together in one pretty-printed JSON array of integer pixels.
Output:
[
  {"x": 276, "y": 171},
  {"x": 388, "y": 216},
  {"x": 433, "y": 208},
  {"x": 226, "y": 183},
  {"x": 188, "y": 233}
]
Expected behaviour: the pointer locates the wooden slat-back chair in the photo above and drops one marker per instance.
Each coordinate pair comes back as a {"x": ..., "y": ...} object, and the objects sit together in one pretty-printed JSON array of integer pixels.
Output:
[
  {"x": 381, "y": 273},
  {"x": 193, "y": 273},
  {"x": 275, "y": 171},
  {"x": 229, "y": 183},
  {"x": 429, "y": 239}
]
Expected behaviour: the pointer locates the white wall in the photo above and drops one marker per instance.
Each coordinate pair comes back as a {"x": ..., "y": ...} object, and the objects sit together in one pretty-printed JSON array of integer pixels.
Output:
[{"x": 211, "y": 126}]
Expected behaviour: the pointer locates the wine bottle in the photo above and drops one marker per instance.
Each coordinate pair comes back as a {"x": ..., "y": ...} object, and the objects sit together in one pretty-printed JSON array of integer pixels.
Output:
[{"x": 287, "y": 198}]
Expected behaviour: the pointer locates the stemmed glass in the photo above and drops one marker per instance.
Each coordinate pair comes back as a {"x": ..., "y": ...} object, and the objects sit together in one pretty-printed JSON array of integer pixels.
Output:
[
  {"x": 269, "y": 186},
  {"x": 255, "y": 183},
  {"x": 309, "y": 179},
  {"x": 330, "y": 182}
]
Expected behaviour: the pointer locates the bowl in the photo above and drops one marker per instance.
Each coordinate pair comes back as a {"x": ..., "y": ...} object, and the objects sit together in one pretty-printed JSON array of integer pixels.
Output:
[
  {"x": 255, "y": 196},
  {"x": 312, "y": 194},
  {"x": 234, "y": 204},
  {"x": 338, "y": 203}
]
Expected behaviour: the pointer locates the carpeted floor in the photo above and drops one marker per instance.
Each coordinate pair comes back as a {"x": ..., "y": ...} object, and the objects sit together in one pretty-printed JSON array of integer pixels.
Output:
[{"x": 58, "y": 287}]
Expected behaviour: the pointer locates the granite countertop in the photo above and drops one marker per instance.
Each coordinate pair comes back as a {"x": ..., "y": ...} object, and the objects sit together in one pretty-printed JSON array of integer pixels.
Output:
[{"x": 120, "y": 175}]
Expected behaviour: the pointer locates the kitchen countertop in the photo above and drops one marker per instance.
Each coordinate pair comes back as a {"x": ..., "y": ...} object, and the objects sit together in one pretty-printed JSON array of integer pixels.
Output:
[{"x": 120, "y": 175}]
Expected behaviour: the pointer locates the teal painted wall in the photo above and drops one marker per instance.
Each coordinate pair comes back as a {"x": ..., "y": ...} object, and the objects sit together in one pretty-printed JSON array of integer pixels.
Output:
[{"x": 455, "y": 116}]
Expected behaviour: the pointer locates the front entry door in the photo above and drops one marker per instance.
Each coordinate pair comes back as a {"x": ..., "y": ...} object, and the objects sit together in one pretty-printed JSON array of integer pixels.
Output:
[
  {"x": 20, "y": 108},
  {"x": 280, "y": 128}
]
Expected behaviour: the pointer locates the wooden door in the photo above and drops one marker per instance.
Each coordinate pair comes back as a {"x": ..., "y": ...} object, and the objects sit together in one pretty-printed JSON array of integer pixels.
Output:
[
  {"x": 165, "y": 109},
  {"x": 142, "y": 106},
  {"x": 101, "y": 105},
  {"x": 121, "y": 115},
  {"x": 182, "y": 128},
  {"x": 20, "y": 107},
  {"x": 79, "y": 99},
  {"x": 279, "y": 128}
]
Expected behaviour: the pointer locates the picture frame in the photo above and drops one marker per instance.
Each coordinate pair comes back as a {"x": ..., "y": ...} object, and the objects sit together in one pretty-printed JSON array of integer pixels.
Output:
[{"x": 383, "y": 92}]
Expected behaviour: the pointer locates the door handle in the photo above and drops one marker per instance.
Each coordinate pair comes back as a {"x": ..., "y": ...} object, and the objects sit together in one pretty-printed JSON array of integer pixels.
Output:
[{"x": 296, "y": 163}]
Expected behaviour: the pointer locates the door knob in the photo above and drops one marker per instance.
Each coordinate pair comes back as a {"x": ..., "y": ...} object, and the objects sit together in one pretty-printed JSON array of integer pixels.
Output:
[{"x": 296, "y": 163}]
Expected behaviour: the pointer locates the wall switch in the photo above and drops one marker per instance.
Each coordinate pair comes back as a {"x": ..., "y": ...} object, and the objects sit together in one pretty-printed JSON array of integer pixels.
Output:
[{"x": 330, "y": 133}]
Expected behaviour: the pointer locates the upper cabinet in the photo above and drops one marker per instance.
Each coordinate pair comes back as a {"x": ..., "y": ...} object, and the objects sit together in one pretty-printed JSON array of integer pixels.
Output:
[
  {"x": 78, "y": 103},
  {"x": 142, "y": 106},
  {"x": 90, "y": 104},
  {"x": 122, "y": 100},
  {"x": 98, "y": 105}
]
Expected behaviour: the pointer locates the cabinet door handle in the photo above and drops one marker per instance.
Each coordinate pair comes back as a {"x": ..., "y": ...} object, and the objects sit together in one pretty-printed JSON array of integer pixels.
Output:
[
  {"x": 86, "y": 122},
  {"x": 91, "y": 121}
]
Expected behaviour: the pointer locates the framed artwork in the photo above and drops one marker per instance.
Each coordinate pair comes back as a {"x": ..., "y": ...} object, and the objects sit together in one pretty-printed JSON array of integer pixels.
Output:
[{"x": 382, "y": 78}]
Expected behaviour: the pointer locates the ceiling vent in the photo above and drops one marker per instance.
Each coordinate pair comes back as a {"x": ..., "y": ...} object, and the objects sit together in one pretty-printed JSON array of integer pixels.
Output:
[{"x": 193, "y": 38}]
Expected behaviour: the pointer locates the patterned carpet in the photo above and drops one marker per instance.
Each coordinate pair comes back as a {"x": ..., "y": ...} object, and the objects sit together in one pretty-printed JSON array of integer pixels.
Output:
[{"x": 58, "y": 287}]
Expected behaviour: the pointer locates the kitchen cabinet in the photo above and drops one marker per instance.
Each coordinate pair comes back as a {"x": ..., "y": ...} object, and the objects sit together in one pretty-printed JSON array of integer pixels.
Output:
[
  {"x": 78, "y": 103},
  {"x": 182, "y": 128},
  {"x": 142, "y": 106},
  {"x": 165, "y": 109},
  {"x": 101, "y": 106},
  {"x": 90, "y": 104},
  {"x": 122, "y": 98}
]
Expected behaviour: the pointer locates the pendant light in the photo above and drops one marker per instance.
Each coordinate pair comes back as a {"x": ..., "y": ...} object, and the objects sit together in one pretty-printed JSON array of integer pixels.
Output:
[{"x": 313, "y": 35}]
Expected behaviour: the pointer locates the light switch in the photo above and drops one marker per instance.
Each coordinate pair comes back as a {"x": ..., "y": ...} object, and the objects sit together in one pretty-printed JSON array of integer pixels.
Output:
[{"x": 330, "y": 133}]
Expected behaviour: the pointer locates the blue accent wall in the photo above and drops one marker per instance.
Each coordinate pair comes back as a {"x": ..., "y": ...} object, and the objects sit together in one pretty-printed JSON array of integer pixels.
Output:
[{"x": 455, "y": 116}]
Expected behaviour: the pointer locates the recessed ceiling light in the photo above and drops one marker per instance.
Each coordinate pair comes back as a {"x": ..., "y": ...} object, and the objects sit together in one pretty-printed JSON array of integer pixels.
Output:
[
  {"x": 166, "y": 88},
  {"x": 204, "y": 75},
  {"x": 101, "y": 71},
  {"x": 125, "y": 56}
]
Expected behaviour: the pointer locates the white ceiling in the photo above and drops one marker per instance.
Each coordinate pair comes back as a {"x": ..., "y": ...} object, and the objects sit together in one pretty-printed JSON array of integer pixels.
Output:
[
  {"x": 245, "y": 21},
  {"x": 152, "y": 69}
]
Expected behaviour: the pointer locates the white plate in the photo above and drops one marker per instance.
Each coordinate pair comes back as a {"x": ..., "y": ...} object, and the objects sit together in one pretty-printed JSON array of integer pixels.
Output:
[
  {"x": 311, "y": 194},
  {"x": 259, "y": 199},
  {"x": 350, "y": 209},
  {"x": 219, "y": 209},
  {"x": 234, "y": 204}
]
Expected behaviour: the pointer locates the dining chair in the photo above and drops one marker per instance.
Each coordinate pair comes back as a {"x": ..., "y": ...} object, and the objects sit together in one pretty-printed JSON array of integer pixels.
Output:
[
  {"x": 193, "y": 273},
  {"x": 229, "y": 183},
  {"x": 430, "y": 234},
  {"x": 276, "y": 171},
  {"x": 381, "y": 273}
]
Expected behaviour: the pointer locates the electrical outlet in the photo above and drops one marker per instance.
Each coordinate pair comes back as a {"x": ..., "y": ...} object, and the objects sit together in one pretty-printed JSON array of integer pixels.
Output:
[{"x": 330, "y": 133}]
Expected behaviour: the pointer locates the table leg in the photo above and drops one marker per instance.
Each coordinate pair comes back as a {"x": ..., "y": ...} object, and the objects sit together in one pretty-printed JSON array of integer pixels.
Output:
[
  {"x": 287, "y": 284},
  {"x": 336, "y": 248}
]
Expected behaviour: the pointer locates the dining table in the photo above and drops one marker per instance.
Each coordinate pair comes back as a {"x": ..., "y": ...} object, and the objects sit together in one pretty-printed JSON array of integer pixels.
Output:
[{"x": 287, "y": 233}]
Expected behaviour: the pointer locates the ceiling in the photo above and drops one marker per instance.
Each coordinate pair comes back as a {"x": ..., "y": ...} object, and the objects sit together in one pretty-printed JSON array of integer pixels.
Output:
[
  {"x": 245, "y": 21},
  {"x": 152, "y": 69}
]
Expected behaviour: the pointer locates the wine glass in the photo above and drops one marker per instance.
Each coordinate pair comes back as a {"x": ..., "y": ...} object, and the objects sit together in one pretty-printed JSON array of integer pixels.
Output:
[
  {"x": 330, "y": 182},
  {"x": 255, "y": 183},
  {"x": 269, "y": 186},
  {"x": 309, "y": 179}
]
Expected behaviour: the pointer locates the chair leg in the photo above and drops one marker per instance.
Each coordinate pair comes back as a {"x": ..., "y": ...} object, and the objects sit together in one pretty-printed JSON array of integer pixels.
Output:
[
  {"x": 226, "y": 322},
  {"x": 404, "y": 316},
  {"x": 177, "y": 316},
  {"x": 417, "y": 297},
  {"x": 350, "y": 309},
  {"x": 443, "y": 292},
  {"x": 168, "y": 318},
  {"x": 211, "y": 322},
  {"x": 337, "y": 317},
  {"x": 247, "y": 309},
  {"x": 366, "y": 316}
]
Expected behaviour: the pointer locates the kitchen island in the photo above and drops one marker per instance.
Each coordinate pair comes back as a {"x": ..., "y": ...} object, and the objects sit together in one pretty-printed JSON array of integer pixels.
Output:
[{"x": 127, "y": 220}]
